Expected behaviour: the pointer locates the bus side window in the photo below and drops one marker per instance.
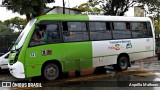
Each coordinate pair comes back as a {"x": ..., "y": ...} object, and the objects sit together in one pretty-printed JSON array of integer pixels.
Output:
[
  {"x": 149, "y": 28},
  {"x": 75, "y": 31},
  {"x": 121, "y": 30},
  {"x": 100, "y": 30},
  {"x": 53, "y": 34},
  {"x": 38, "y": 35},
  {"x": 50, "y": 35},
  {"x": 139, "y": 30},
  {"x": 135, "y": 30},
  {"x": 144, "y": 29}
]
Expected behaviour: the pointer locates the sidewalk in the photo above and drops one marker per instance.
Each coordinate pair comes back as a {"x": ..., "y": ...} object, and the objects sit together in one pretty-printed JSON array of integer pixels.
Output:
[{"x": 155, "y": 58}]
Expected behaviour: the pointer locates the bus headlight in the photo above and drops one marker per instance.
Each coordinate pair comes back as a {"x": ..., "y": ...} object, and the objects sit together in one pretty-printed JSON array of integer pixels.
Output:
[{"x": 13, "y": 58}]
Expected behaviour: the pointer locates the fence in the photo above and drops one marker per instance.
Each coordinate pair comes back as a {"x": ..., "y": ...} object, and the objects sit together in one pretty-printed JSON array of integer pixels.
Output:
[{"x": 6, "y": 42}]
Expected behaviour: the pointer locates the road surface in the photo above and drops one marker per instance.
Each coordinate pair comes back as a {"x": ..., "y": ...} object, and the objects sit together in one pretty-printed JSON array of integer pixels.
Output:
[{"x": 143, "y": 75}]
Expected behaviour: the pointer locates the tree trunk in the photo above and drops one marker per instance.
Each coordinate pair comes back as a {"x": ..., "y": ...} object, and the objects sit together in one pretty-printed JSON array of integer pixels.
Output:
[
  {"x": 28, "y": 17},
  {"x": 38, "y": 9}
]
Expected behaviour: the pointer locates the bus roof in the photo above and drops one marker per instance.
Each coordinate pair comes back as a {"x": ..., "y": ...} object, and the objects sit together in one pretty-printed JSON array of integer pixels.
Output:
[
  {"x": 67, "y": 17},
  {"x": 64, "y": 17},
  {"x": 117, "y": 18}
]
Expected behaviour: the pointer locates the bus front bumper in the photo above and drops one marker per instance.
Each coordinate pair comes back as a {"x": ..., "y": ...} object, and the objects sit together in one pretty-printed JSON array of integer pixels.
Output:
[{"x": 17, "y": 70}]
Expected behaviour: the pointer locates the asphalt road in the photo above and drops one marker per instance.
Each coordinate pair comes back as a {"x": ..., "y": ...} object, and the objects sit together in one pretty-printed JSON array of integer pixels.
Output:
[{"x": 143, "y": 75}]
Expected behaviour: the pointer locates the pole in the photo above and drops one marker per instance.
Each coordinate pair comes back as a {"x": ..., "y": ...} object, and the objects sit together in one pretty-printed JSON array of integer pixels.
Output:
[
  {"x": 69, "y": 6},
  {"x": 158, "y": 15},
  {"x": 158, "y": 52},
  {"x": 63, "y": 7},
  {"x": 158, "y": 19}
]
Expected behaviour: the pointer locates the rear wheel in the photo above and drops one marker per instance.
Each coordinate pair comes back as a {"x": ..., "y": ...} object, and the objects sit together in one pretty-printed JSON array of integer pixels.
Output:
[
  {"x": 51, "y": 71},
  {"x": 122, "y": 64}
]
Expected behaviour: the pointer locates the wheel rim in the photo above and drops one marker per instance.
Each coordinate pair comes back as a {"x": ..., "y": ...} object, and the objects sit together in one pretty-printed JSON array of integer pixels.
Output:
[
  {"x": 123, "y": 64},
  {"x": 51, "y": 72}
]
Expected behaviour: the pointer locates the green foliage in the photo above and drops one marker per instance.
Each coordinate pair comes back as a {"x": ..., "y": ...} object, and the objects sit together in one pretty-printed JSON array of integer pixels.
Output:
[
  {"x": 16, "y": 23},
  {"x": 154, "y": 8},
  {"x": 30, "y": 8},
  {"x": 157, "y": 27},
  {"x": 88, "y": 8},
  {"x": 115, "y": 7},
  {"x": 153, "y": 5},
  {"x": 4, "y": 30},
  {"x": 1, "y": 22},
  {"x": 6, "y": 27}
]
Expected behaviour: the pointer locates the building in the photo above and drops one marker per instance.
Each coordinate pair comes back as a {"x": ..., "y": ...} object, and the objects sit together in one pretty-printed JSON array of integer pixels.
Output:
[
  {"x": 139, "y": 11},
  {"x": 59, "y": 10}
]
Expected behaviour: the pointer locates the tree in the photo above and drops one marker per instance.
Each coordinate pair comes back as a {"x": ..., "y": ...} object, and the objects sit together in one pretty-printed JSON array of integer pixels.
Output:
[
  {"x": 153, "y": 5},
  {"x": 115, "y": 7},
  {"x": 16, "y": 23},
  {"x": 88, "y": 8},
  {"x": 157, "y": 30},
  {"x": 1, "y": 22},
  {"x": 154, "y": 8},
  {"x": 4, "y": 30},
  {"x": 30, "y": 8},
  {"x": 155, "y": 21}
]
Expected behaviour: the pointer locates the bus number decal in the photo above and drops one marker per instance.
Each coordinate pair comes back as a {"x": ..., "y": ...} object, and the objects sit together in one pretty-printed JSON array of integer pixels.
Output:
[
  {"x": 46, "y": 52},
  {"x": 33, "y": 55},
  {"x": 129, "y": 45}
]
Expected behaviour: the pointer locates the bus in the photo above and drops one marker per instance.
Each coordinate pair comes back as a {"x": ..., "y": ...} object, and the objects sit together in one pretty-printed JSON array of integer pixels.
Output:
[{"x": 76, "y": 42}]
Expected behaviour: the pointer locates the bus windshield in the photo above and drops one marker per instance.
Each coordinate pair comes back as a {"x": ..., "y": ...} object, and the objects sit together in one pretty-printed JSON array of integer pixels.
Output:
[{"x": 19, "y": 42}]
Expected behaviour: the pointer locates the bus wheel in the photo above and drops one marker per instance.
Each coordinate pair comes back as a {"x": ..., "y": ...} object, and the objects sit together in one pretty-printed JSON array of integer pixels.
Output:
[
  {"x": 122, "y": 64},
  {"x": 51, "y": 71}
]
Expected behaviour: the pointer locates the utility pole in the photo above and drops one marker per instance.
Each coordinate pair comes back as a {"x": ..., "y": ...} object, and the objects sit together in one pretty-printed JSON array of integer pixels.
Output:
[
  {"x": 69, "y": 6},
  {"x": 63, "y": 7},
  {"x": 158, "y": 17}
]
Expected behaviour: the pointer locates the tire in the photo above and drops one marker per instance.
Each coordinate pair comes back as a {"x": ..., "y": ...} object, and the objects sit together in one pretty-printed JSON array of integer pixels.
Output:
[
  {"x": 51, "y": 71},
  {"x": 122, "y": 64}
]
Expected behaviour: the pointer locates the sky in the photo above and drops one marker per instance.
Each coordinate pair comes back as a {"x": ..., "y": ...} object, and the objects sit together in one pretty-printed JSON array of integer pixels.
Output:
[{"x": 7, "y": 14}]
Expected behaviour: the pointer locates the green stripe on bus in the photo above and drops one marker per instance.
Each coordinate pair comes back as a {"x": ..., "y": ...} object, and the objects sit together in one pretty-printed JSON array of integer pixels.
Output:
[{"x": 66, "y": 17}]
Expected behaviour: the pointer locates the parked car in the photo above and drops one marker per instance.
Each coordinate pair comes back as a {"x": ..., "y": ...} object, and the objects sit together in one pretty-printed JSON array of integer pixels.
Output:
[{"x": 4, "y": 61}]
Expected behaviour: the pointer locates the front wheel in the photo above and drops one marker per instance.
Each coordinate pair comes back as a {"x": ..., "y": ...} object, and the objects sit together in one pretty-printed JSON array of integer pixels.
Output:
[
  {"x": 51, "y": 72},
  {"x": 122, "y": 64}
]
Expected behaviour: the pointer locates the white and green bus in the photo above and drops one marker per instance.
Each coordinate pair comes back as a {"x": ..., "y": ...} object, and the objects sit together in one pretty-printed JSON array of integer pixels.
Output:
[{"x": 76, "y": 42}]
